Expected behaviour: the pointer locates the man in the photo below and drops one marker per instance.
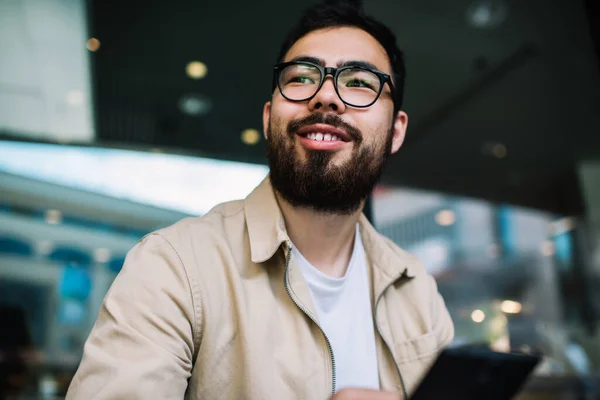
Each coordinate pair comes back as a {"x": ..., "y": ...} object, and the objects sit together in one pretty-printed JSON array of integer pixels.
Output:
[{"x": 290, "y": 293}]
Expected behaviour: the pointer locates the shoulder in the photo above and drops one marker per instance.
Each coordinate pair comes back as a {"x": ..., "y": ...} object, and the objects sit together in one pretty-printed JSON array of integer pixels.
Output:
[
  {"x": 200, "y": 241},
  {"x": 210, "y": 226}
]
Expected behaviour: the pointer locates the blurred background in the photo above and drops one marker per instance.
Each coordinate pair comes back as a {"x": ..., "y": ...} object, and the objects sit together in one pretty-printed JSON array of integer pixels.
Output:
[{"x": 119, "y": 118}]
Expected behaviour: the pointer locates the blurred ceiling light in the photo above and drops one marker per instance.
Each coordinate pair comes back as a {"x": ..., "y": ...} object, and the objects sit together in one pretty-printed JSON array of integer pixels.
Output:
[
  {"x": 93, "y": 44},
  {"x": 547, "y": 248},
  {"x": 478, "y": 316},
  {"x": 195, "y": 104},
  {"x": 250, "y": 136},
  {"x": 44, "y": 247},
  {"x": 445, "y": 217},
  {"x": 75, "y": 97},
  {"x": 196, "y": 70},
  {"x": 499, "y": 150},
  {"x": 511, "y": 307},
  {"x": 102, "y": 255},
  {"x": 53, "y": 217},
  {"x": 561, "y": 226},
  {"x": 493, "y": 251},
  {"x": 487, "y": 14}
]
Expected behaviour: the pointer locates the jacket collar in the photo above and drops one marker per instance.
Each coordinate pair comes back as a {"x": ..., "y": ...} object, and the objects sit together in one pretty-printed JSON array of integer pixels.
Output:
[
  {"x": 390, "y": 259},
  {"x": 266, "y": 231},
  {"x": 266, "y": 226}
]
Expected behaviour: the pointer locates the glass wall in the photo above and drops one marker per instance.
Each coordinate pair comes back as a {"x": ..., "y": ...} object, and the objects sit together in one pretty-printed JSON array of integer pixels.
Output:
[{"x": 506, "y": 274}]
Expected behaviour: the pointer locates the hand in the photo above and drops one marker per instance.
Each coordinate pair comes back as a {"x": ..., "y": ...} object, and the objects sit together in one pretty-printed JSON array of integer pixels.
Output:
[{"x": 364, "y": 394}]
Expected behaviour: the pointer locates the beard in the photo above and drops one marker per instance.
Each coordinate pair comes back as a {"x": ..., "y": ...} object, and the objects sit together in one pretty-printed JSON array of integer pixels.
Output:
[{"x": 315, "y": 182}]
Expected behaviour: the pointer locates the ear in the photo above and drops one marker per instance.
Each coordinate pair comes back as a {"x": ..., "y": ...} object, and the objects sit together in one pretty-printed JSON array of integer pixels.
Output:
[
  {"x": 266, "y": 118},
  {"x": 400, "y": 124}
]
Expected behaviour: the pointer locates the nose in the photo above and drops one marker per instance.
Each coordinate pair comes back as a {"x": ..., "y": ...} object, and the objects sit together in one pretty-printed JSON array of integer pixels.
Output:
[{"x": 327, "y": 99}]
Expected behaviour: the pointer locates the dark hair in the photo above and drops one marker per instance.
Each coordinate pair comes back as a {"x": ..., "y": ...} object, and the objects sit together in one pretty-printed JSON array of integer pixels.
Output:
[{"x": 337, "y": 13}]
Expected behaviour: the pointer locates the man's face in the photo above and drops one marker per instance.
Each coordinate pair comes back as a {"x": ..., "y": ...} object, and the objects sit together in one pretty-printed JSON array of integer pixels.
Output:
[{"x": 332, "y": 176}]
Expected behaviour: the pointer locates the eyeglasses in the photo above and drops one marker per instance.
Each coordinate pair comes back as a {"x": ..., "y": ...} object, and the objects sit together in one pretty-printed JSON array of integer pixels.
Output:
[{"x": 356, "y": 86}]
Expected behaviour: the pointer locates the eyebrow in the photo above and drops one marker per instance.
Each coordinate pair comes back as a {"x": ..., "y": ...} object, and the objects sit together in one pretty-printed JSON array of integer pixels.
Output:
[
  {"x": 357, "y": 63},
  {"x": 340, "y": 64},
  {"x": 310, "y": 59}
]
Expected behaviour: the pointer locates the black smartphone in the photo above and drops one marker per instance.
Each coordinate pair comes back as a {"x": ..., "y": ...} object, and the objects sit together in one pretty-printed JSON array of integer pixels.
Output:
[{"x": 469, "y": 373}]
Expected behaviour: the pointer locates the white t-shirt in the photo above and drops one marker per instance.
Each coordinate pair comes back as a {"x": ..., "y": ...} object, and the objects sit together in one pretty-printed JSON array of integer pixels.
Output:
[{"x": 343, "y": 307}]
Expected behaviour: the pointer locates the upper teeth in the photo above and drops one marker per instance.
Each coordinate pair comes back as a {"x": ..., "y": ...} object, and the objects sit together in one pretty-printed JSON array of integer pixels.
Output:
[{"x": 320, "y": 136}]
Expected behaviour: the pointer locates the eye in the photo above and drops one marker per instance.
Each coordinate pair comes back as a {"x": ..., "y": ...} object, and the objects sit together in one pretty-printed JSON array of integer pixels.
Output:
[
  {"x": 304, "y": 80},
  {"x": 359, "y": 83},
  {"x": 300, "y": 74},
  {"x": 359, "y": 79}
]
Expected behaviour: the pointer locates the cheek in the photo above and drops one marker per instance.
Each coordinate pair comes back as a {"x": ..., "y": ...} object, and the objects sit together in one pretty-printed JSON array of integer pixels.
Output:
[
  {"x": 375, "y": 125},
  {"x": 285, "y": 109}
]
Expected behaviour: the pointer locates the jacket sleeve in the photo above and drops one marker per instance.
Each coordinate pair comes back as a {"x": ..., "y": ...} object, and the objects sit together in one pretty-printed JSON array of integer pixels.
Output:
[
  {"x": 442, "y": 322},
  {"x": 142, "y": 344}
]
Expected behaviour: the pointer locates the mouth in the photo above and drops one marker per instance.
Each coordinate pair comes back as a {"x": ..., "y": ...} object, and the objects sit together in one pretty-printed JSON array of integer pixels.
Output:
[{"x": 324, "y": 133}]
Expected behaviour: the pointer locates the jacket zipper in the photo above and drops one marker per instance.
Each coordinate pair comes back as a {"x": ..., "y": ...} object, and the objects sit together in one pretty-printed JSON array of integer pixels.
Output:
[
  {"x": 287, "y": 289},
  {"x": 404, "y": 393}
]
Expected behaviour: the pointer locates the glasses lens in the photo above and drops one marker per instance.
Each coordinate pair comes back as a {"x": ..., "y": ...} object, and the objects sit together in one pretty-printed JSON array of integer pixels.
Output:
[
  {"x": 358, "y": 87},
  {"x": 299, "y": 81}
]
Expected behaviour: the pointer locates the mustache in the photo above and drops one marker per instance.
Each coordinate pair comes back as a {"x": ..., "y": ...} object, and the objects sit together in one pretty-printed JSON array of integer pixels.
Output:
[{"x": 334, "y": 120}]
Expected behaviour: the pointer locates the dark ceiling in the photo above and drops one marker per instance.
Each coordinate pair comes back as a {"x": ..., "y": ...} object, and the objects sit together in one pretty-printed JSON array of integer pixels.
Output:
[{"x": 530, "y": 84}]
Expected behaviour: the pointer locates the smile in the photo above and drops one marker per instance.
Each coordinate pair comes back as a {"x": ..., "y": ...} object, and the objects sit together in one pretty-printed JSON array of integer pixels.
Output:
[
  {"x": 324, "y": 133},
  {"x": 322, "y": 141},
  {"x": 327, "y": 137}
]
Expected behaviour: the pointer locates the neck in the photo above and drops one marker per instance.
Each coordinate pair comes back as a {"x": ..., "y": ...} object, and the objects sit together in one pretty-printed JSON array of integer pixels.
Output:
[{"x": 325, "y": 240}]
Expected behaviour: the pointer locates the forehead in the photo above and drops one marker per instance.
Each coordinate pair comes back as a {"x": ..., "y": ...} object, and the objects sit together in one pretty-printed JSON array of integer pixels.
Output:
[{"x": 335, "y": 45}]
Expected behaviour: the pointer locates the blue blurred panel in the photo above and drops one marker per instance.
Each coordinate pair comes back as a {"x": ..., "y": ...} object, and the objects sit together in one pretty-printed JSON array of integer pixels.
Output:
[
  {"x": 564, "y": 247},
  {"x": 68, "y": 255},
  {"x": 11, "y": 245},
  {"x": 505, "y": 230},
  {"x": 71, "y": 312},
  {"x": 75, "y": 283}
]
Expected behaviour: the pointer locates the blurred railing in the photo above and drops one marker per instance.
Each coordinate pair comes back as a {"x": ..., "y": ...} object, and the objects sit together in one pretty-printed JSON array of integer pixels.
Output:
[{"x": 416, "y": 229}]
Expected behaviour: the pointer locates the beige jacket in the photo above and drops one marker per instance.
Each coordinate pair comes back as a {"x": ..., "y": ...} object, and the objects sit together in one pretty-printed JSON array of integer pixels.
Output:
[{"x": 216, "y": 308}]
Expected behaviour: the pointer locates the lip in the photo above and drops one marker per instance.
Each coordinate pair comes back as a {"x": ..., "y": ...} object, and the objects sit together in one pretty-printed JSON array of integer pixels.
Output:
[
  {"x": 324, "y": 128},
  {"x": 322, "y": 144}
]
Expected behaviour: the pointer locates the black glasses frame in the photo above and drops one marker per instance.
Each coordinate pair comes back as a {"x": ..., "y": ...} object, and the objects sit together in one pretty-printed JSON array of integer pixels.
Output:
[{"x": 334, "y": 72}]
